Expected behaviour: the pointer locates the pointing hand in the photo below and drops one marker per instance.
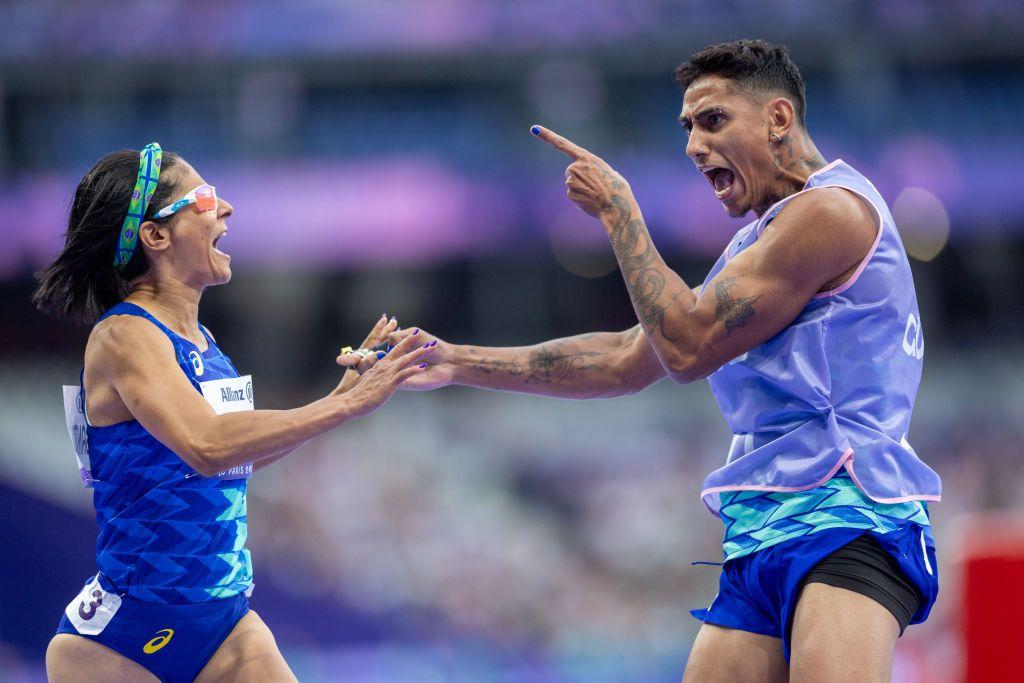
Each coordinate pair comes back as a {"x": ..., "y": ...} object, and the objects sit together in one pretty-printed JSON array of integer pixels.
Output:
[{"x": 590, "y": 182}]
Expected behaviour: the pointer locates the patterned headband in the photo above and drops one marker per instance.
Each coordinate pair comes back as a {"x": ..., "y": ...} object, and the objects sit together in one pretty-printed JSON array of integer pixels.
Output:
[{"x": 145, "y": 185}]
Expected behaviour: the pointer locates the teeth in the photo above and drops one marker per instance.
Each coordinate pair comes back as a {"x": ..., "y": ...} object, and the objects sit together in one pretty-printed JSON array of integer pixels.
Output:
[{"x": 722, "y": 179}]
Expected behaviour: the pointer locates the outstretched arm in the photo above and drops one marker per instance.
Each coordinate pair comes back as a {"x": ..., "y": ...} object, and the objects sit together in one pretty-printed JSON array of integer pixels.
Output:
[
  {"x": 133, "y": 365},
  {"x": 350, "y": 378},
  {"x": 597, "y": 365},
  {"x": 815, "y": 243}
]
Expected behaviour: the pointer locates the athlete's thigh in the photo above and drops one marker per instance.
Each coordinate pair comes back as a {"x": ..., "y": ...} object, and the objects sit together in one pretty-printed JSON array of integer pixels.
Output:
[
  {"x": 74, "y": 659},
  {"x": 840, "y": 635},
  {"x": 729, "y": 655},
  {"x": 248, "y": 654}
]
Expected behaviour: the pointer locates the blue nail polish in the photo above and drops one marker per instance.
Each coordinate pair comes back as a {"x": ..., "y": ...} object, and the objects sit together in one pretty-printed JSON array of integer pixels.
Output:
[
  {"x": 535, "y": 130},
  {"x": 380, "y": 354},
  {"x": 417, "y": 331},
  {"x": 423, "y": 365},
  {"x": 427, "y": 345}
]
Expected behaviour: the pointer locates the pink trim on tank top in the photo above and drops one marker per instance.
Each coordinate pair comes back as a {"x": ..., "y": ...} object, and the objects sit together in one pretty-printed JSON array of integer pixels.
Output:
[
  {"x": 898, "y": 499},
  {"x": 845, "y": 460},
  {"x": 761, "y": 225},
  {"x": 871, "y": 252},
  {"x": 776, "y": 489}
]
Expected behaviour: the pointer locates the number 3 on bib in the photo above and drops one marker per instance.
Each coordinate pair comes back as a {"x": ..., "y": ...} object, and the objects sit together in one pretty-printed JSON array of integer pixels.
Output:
[{"x": 92, "y": 609}]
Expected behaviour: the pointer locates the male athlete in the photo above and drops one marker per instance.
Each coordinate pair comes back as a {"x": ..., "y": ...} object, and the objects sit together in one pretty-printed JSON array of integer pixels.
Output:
[{"x": 808, "y": 331}]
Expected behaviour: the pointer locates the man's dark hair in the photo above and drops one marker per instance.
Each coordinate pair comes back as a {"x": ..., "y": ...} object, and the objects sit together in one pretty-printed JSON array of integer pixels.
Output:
[
  {"x": 753, "y": 64},
  {"x": 82, "y": 283}
]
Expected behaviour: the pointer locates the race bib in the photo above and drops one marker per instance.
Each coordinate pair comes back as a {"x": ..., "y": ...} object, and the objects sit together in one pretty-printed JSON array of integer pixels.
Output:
[
  {"x": 92, "y": 609},
  {"x": 230, "y": 395},
  {"x": 74, "y": 414}
]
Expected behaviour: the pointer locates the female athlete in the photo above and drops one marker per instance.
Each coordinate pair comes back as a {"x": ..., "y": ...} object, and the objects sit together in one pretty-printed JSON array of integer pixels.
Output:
[{"x": 168, "y": 431}]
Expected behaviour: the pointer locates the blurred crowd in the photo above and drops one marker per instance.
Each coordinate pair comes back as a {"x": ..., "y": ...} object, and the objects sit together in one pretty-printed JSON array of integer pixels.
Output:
[
  {"x": 526, "y": 529},
  {"x": 378, "y": 158}
]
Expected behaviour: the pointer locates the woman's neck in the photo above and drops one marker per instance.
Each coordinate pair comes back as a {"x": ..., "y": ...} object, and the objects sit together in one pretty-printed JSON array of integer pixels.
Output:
[{"x": 175, "y": 303}]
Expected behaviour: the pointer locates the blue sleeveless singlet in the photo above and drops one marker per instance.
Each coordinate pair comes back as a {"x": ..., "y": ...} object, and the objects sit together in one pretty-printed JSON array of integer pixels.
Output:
[{"x": 166, "y": 533}]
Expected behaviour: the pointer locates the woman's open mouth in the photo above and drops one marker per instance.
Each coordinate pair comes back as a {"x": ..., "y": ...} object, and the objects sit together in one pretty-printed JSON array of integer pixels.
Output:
[{"x": 216, "y": 241}]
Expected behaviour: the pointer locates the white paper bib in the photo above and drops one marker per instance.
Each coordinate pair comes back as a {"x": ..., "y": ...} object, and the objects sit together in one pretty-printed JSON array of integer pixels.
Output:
[
  {"x": 229, "y": 395},
  {"x": 92, "y": 609},
  {"x": 74, "y": 415}
]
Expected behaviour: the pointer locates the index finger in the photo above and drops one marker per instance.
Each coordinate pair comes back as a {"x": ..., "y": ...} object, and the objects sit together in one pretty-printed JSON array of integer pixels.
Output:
[
  {"x": 404, "y": 346},
  {"x": 398, "y": 335},
  {"x": 375, "y": 331},
  {"x": 558, "y": 142}
]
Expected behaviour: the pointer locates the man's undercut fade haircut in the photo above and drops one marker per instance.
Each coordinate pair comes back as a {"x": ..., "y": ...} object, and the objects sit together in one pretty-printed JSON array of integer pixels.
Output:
[{"x": 752, "y": 64}]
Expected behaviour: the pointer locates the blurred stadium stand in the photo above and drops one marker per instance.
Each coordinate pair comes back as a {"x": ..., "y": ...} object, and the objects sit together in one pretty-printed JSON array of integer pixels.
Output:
[{"x": 378, "y": 158}]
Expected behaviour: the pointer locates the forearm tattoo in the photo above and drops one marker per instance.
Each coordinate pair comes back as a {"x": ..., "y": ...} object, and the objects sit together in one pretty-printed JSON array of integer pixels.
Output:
[
  {"x": 638, "y": 259},
  {"x": 551, "y": 363},
  {"x": 733, "y": 311}
]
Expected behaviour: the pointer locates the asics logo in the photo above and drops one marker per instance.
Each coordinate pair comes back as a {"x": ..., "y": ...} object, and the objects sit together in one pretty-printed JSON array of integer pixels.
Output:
[
  {"x": 913, "y": 338},
  {"x": 163, "y": 637}
]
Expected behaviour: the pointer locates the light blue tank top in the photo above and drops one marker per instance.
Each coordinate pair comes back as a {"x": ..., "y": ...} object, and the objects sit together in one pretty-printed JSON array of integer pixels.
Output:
[
  {"x": 166, "y": 533},
  {"x": 835, "y": 388}
]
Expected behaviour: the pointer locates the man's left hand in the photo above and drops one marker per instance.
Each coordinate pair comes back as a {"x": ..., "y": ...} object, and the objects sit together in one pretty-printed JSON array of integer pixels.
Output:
[{"x": 590, "y": 182}]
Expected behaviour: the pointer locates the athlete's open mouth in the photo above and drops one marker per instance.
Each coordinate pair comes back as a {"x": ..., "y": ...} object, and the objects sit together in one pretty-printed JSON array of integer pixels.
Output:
[
  {"x": 216, "y": 240},
  {"x": 722, "y": 179}
]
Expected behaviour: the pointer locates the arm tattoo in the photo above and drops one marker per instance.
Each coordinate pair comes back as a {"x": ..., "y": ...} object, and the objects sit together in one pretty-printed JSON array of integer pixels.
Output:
[
  {"x": 638, "y": 258},
  {"x": 549, "y": 363},
  {"x": 733, "y": 311}
]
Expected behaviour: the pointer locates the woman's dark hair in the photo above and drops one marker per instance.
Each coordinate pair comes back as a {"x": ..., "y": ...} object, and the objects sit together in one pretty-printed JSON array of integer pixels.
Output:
[
  {"x": 753, "y": 64},
  {"x": 82, "y": 282}
]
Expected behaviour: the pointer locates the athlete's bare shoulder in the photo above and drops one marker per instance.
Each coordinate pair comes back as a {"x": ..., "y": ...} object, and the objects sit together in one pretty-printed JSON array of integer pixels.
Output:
[
  {"x": 829, "y": 229},
  {"x": 122, "y": 340},
  {"x": 120, "y": 346}
]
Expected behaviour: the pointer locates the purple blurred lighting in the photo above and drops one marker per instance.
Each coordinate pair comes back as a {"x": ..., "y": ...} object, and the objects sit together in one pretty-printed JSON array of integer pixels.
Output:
[{"x": 418, "y": 209}]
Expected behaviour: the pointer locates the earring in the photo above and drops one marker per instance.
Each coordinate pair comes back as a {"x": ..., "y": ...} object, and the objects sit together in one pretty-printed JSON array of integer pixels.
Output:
[{"x": 776, "y": 137}]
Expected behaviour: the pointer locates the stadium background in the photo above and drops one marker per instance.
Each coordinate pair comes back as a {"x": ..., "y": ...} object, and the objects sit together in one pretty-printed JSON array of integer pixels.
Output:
[{"x": 378, "y": 157}]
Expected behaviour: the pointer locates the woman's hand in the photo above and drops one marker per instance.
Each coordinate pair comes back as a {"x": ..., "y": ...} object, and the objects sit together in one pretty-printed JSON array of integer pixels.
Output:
[
  {"x": 441, "y": 370},
  {"x": 357, "y": 363},
  {"x": 401, "y": 364}
]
